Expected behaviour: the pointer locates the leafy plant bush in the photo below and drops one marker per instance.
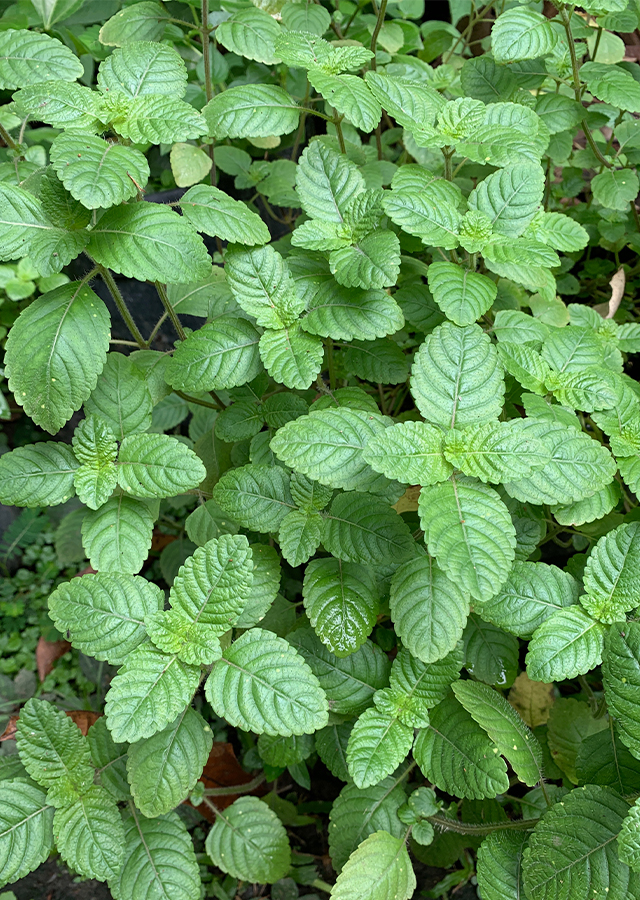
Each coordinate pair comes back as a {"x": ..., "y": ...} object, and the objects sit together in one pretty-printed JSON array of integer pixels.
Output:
[{"x": 388, "y": 414}]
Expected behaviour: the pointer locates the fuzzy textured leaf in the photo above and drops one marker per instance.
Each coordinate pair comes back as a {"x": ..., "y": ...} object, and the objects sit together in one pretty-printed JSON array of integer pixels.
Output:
[
  {"x": 248, "y": 841},
  {"x": 565, "y": 645}
]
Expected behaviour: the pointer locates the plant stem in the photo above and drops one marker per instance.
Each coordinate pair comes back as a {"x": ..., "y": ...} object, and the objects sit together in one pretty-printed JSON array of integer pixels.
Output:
[
  {"x": 447, "y": 152},
  {"x": 472, "y": 828},
  {"x": 118, "y": 299},
  {"x": 321, "y": 885},
  {"x": 303, "y": 119},
  {"x": 332, "y": 375},
  {"x": 376, "y": 32},
  {"x": 236, "y": 788},
  {"x": 208, "y": 89},
  {"x": 173, "y": 315},
  {"x": 336, "y": 121},
  {"x": 196, "y": 400},
  {"x": 8, "y": 140}
]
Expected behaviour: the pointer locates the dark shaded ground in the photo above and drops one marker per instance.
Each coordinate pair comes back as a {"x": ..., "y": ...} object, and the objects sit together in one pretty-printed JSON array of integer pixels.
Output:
[{"x": 53, "y": 882}]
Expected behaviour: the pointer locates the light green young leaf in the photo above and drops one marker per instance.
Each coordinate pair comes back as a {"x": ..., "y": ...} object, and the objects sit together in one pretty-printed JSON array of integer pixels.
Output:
[
  {"x": 263, "y": 286},
  {"x": 512, "y": 196},
  {"x": 463, "y": 296},
  {"x": 374, "y": 261},
  {"x": 215, "y": 213},
  {"x": 611, "y": 574},
  {"x": 55, "y": 352},
  {"x": 172, "y": 631},
  {"x": 157, "y": 465},
  {"x": 590, "y": 509},
  {"x": 573, "y": 849},
  {"x": 350, "y": 96},
  {"x": 262, "y": 684},
  {"x": 117, "y": 537},
  {"x": 299, "y": 535},
  {"x": 521, "y": 33},
  {"x": 163, "y": 769},
  {"x": 470, "y": 532},
  {"x": 425, "y": 215},
  {"x": 621, "y": 680},
  {"x": 28, "y": 57},
  {"x": 429, "y": 611},
  {"x": 380, "y": 869},
  {"x": 153, "y": 118},
  {"x": 525, "y": 364},
  {"x": 612, "y": 84},
  {"x": 249, "y": 841},
  {"x": 455, "y": 754},
  {"x": 255, "y": 110},
  {"x": 149, "y": 241},
  {"x": 121, "y": 397},
  {"x": 555, "y": 229},
  {"x": 565, "y": 645},
  {"x": 628, "y": 842},
  {"x": 505, "y": 728},
  {"x": 251, "y": 33},
  {"x": 148, "y": 692},
  {"x": 256, "y": 497},
  {"x": 60, "y": 104},
  {"x": 309, "y": 51},
  {"x": 517, "y": 327},
  {"x": 26, "y": 832},
  {"x": 223, "y": 354},
  {"x": 410, "y": 452},
  {"x": 52, "y": 748},
  {"x": 159, "y": 859},
  {"x": 144, "y": 67},
  {"x": 97, "y": 173},
  {"x": 499, "y": 867},
  {"x": 89, "y": 834},
  {"x": 363, "y": 528},
  {"x": 38, "y": 474},
  {"x": 341, "y": 602},
  {"x": 456, "y": 379},
  {"x": 532, "y": 593},
  {"x": 104, "y": 614},
  {"x": 495, "y": 452},
  {"x": 411, "y": 104},
  {"x": 144, "y": 21},
  {"x": 327, "y": 182},
  {"x": 291, "y": 357},
  {"x": 189, "y": 165},
  {"x": 345, "y": 314},
  {"x": 589, "y": 389},
  {"x": 348, "y": 682},
  {"x": 377, "y": 745}
]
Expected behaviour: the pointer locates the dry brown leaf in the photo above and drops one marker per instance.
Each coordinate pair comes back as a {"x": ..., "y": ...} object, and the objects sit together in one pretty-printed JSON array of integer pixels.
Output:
[
  {"x": 47, "y": 652},
  {"x": 532, "y": 699},
  {"x": 409, "y": 500},
  {"x": 159, "y": 540},
  {"x": 617, "y": 285},
  {"x": 9, "y": 734},
  {"x": 223, "y": 770},
  {"x": 83, "y": 718}
]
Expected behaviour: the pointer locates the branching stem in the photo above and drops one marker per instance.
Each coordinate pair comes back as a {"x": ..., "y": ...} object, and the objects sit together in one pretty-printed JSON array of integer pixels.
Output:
[{"x": 118, "y": 299}]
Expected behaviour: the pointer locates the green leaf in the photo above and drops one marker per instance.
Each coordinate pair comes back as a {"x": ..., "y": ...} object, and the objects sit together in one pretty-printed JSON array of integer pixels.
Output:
[
  {"x": 104, "y": 614},
  {"x": 512, "y": 196},
  {"x": 521, "y": 34},
  {"x": 499, "y": 867},
  {"x": 222, "y": 354},
  {"x": 110, "y": 759},
  {"x": 149, "y": 241},
  {"x": 526, "y": 366},
  {"x": 97, "y": 173},
  {"x": 341, "y": 602},
  {"x": 470, "y": 532},
  {"x": 189, "y": 165},
  {"x": 565, "y": 645},
  {"x": 572, "y": 851},
  {"x": 266, "y": 582},
  {"x": 89, "y": 835},
  {"x": 60, "y": 104},
  {"x": 157, "y": 465},
  {"x": 410, "y": 452},
  {"x": 555, "y": 229},
  {"x": 263, "y": 286},
  {"x": 532, "y": 592},
  {"x": 312, "y": 19},
  {"x": 621, "y": 679},
  {"x": 495, "y": 452},
  {"x": 463, "y": 296},
  {"x": 579, "y": 466},
  {"x": 55, "y": 352},
  {"x": 117, "y": 536},
  {"x": 26, "y": 833},
  {"x": 603, "y": 759},
  {"x": 248, "y": 841},
  {"x": 350, "y": 96},
  {"x": 377, "y": 745},
  {"x": 491, "y": 654},
  {"x": 573, "y": 349},
  {"x": 27, "y": 57},
  {"x": 380, "y": 869},
  {"x": 327, "y": 182},
  {"x": 428, "y": 610},
  {"x": 256, "y": 497},
  {"x": 347, "y": 314},
  {"x": 377, "y": 361},
  {"x": 611, "y": 574},
  {"x": 52, "y": 747},
  {"x": 291, "y": 357},
  {"x": 299, "y": 536},
  {"x": 427, "y": 684},
  {"x": 357, "y": 813},
  {"x": 628, "y": 842},
  {"x": 159, "y": 860},
  {"x": 121, "y": 397},
  {"x": 215, "y": 213},
  {"x": 285, "y": 751},
  {"x": 147, "y": 694},
  {"x": 349, "y": 682},
  {"x": 590, "y": 389},
  {"x": 374, "y": 261},
  {"x": 262, "y": 684},
  {"x": 21, "y": 218},
  {"x": 142, "y": 68},
  {"x": 612, "y": 84},
  {"x": 141, "y": 22},
  {"x": 154, "y": 118},
  {"x": 251, "y": 33},
  {"x": 363, "y": 528},
  {"x": 409, "y": 103},
  {"x": 256, "y": 110},
  {"x": 331, "y": 746},
  {"x": 435, "y": 221},
  {"x": 456, "y": 379},
  {"x": 570, "y": 722},
  {"x": 163, "y": 769},
  {"x": 37, "y": 475},
  {"x": 516, "y": 327},
  {"x": 457, "y": 756},
  {"x": 505, "y": 728}
]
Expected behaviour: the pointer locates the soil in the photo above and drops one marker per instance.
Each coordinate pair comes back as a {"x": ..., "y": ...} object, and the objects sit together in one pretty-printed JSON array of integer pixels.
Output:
[{"x": 54, "y": 882}]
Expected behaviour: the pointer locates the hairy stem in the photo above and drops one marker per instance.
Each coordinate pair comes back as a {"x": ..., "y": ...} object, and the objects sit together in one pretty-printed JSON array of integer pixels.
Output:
[
  {"x": 208, "y": 89},
  {"x": 196, "y": 400},
  {"x": 236, "y": 788},
  {"x": 472, "y": 828},
  {"x": 118, "y": 299},
  {"x": 173, "y": 315},
  {"x": 8, "y": 140},
  {"x": 376, "y": 31},
  {"x": 338, "y": 126}
]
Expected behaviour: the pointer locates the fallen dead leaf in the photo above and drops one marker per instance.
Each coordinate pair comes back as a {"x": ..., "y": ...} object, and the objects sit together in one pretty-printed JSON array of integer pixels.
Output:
[
  {"x": 617, "y": 285},
  {"x": 47, "y": 652},
  {"x": 409, "y": 500},
  {"x": 223, "y": 770},
  {"x": 159, "y": 540},
  {"x": 9, "y": 734},
  {"x": 532, "y": 699}
]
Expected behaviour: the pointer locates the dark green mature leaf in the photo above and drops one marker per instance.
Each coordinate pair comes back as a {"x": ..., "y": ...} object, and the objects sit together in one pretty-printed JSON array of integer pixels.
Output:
[
  {"x": 250, "y": 32},
  {"x": 380, "y": 869},
  {"x": 256, "y": 110},
  {"x": 327, "y": 182},
  {"x": 117, "y": 536},
  {"x": 429, "y": 683},
  {"x": 347, "y": 314},
  {"x": 121, "y": 397},
  {"x": 110, "y": 759},
  {"x": 60, "y": 104},
  {"x": 572, "y": 851},
  {"x": 377, "y": 745},
  {"x": 214, "y": 212},
  {"x": 521, "y": 34},
  {"x": 299, "y": 535},
  {"x": 612, "y": 84},
  {"x": 27, "y": 57},
  {"x": 628, "y": 843},
  {"x": 341, "y": 602},
  {"x": 603, "y": 759},
  {"x": 495, "y": 451},
  {"x": 222, "y": 354},
  {"x": 331, "y": 746},
  {"x": 141, "y": 22},
  {"x": 37, "y": 475},
  {"x": 378, "y": 361},
  {"x": 291, "y": 356},
  {"x": 621, "y": 679},
  {"x": 463, "y": 296},
  {"x": 499, "y": 868},
  {"x": 55, "y": 352},
  {"x": 257, "y": 497},
  {"x": 491, "y": 654},
  {"x": 565, "y": 645},
  {"x": 144, "y": 67},
  {"x": 362, "y": 528},
  {"x": 52, "y": 748},
  {"x": 26, "y": 829},
  {"x": 248, "y": 841},
  {"x": 89, "y": 834},
  {"x": 411, "y": 452},
  {"x": 612, "y": 573},
  {"x": 510, "y": 197},
  {"x": 157, "y": 465}
]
